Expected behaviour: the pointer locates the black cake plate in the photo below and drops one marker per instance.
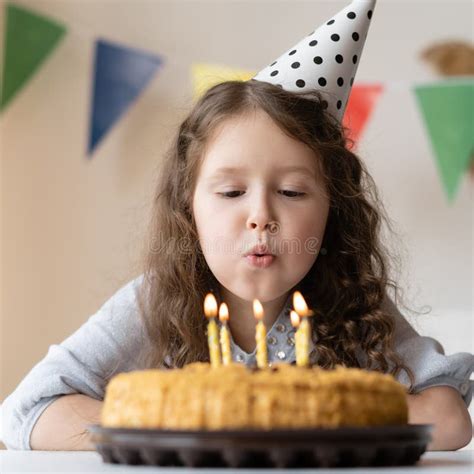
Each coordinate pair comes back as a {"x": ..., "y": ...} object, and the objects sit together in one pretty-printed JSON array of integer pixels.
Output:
[{"x": 322, "y": 447}]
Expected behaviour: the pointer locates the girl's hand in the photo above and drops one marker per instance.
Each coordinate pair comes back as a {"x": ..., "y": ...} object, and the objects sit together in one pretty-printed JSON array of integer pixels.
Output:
[{"x": 443, "y": 407}]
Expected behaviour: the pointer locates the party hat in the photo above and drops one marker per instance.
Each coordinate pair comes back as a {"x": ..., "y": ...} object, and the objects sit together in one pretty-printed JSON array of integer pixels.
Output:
[{"x": 327, "y": 59}]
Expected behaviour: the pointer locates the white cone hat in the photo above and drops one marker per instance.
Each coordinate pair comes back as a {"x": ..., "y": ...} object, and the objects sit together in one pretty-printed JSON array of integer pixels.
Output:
[{"x": 327, "y": 59}]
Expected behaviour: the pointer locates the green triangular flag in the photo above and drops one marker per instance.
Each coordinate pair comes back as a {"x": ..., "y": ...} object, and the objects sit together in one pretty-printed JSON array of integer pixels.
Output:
[
  {"x": 29, "y": 38},
  {"x": 448, "y": 111}
]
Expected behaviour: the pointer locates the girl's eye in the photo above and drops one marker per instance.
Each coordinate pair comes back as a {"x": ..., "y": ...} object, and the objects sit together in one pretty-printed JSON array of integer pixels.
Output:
[
  {"x": 230, "y": 194},
  {"x": 292, "y": 193}
]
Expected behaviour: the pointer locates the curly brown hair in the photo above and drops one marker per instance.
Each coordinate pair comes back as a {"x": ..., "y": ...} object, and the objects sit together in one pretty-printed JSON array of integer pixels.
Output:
[{"x": 345, "y": 287}]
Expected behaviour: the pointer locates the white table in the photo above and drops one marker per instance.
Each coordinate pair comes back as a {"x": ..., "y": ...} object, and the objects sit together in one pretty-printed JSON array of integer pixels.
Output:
[{"x": 442, "y": 462}]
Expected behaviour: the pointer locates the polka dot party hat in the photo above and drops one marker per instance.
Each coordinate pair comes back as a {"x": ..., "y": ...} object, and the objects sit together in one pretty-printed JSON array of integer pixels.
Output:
[{"x": 327, "y": 59}]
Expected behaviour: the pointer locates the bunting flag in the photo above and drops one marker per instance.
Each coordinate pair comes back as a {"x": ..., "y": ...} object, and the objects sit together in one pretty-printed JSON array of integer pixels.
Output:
[
  {"x": 29, "y": 39},
  {"x": 205, "y": 76},
  {"x": 359, "y": 108},
  {"x": 120, "y": 74},
  {"x": 448, "y": 111}
]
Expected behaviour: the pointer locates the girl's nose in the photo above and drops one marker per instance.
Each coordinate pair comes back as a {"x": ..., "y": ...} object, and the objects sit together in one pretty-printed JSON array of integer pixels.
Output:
[
  {"x": 260, "y": 215},
  {"x": 263, "y": 226}
]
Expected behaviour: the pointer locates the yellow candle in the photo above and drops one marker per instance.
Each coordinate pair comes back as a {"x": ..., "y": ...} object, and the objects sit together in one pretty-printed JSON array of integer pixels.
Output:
[
  {"x": 225, "y": 337},
  {"x": 210, "y": 310},
  {"x": 304, "y": 331},
  {"x": 303, "y": 334},
  {"x": 295, "y": 322},
  {"x": 260, "y": 335}
]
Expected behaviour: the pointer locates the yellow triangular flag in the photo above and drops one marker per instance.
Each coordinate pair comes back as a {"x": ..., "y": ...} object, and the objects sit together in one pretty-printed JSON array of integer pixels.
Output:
[{"x": 205, "y": 76}]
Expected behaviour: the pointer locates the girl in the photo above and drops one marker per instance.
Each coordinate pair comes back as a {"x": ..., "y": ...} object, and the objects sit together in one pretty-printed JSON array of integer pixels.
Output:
[{"x": 255, "y": 169}]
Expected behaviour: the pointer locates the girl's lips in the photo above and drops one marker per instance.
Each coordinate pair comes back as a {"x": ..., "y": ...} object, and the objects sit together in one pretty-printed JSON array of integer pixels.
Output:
[{"x": 261, "y": 262}]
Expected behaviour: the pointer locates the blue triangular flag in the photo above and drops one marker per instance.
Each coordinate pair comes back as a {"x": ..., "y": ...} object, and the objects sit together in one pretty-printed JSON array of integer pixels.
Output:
[{"x": 120, "y": 74}]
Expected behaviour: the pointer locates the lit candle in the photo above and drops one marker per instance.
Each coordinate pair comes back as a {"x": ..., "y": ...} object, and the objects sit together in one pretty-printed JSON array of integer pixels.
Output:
[
  {"x": 210, "y": 310},
  {"x": 225, "y": 339},
  {"x": 303, "y": 334},
  {"x": 260, "y": 335},
  {"x": 295, "y": 322}
]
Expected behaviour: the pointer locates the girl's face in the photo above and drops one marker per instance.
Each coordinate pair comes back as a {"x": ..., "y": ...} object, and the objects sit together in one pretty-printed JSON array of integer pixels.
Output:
[{"x": 252, "y": 175}]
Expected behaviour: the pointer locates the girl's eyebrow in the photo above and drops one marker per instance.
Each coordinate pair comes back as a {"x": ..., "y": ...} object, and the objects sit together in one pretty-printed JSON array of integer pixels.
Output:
[{"x": 230, "y": 170}]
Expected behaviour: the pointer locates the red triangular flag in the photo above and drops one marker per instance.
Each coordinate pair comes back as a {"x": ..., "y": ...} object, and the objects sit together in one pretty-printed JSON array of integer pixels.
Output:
[{"x": 359, "y": 108}]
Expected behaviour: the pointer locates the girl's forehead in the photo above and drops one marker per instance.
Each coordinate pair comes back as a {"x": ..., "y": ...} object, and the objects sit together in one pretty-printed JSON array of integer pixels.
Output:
[{"x": 242, "y": 144}]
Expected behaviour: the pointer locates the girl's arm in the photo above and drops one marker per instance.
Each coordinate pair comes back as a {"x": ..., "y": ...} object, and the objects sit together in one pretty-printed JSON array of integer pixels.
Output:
[
  {"x": 52, "y": 433},
  {"x": 442, "y": 385},
  {"x": 443, "y": 407}
]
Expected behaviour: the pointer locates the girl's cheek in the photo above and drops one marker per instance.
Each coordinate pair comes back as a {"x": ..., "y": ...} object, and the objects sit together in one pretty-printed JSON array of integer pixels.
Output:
[{"x": 308, "y": 227}]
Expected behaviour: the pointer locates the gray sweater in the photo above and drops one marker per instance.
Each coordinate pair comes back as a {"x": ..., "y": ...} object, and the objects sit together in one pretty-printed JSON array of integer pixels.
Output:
[{"x": 110, "y": 342}]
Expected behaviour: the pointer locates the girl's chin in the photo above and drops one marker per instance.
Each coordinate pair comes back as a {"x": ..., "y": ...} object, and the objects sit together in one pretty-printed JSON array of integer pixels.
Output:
[{"x": 269, "y": 292}]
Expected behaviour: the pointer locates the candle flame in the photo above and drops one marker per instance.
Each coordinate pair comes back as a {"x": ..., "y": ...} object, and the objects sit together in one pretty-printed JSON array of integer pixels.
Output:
[
  {"x": 300, "y": 305},
  {"x": 223, "y": 313},
  {"x": 210, "y": 306},
  {"x": 257, "y": 310},
  {"x": 295, "y": 319}
]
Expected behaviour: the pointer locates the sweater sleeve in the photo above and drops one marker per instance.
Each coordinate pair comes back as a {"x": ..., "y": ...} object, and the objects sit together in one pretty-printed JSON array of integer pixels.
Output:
[
  {"x": 106, "y": 344},
  {"x": 426, "y": 358}
]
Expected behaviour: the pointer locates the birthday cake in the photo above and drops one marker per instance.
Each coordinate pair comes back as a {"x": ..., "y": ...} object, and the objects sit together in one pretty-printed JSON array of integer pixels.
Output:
[{"x": 284, "y": 396}]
